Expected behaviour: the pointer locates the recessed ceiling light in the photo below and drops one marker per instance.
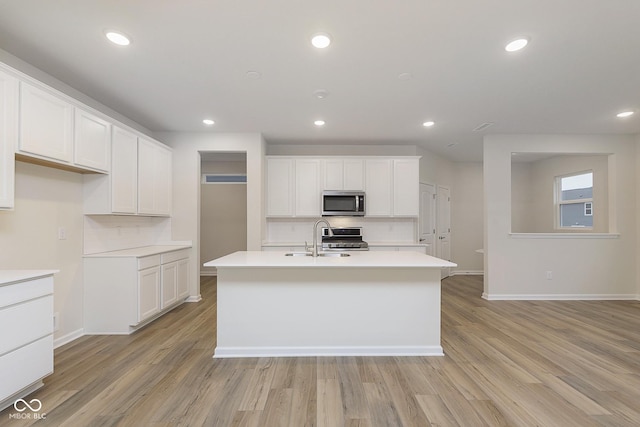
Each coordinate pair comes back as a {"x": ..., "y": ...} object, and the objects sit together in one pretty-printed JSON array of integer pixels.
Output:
[
  {"x": 254, "y": 74},
  {"x": 321, "y": 93},
  {"x": 404, "y": 76},
  {"x": 321, "y": 40},
  {"x": 625, "y": 114},
  {"x": 208, "y": 122},
  {"x": 428, "y": 124},
  {"x": 319, "y": 123},
  {"x": 516, "y": 44},
  {"x": 118, "y": 38}
]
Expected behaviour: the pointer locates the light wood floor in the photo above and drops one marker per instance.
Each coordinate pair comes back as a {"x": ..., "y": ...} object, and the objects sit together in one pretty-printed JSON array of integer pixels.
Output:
[{"x": 507, "y": 363}]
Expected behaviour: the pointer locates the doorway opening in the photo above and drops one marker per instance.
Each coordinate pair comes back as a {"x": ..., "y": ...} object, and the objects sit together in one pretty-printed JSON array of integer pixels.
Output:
[{"x": 223, "y": 206}]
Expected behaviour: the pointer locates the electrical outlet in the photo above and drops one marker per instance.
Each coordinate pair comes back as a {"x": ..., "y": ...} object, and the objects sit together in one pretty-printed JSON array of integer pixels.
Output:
[
  {"x": 549, "y": 275},
  {"x": 62, "y": 233}
]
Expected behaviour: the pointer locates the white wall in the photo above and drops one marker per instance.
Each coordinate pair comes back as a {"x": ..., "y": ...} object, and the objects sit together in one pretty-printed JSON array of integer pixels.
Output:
[
  {"x": 582, "y": 265},
  {"x": 467, "y": 217},
  {"x": 47, "y": 199},
  {"x": 186, "y": 186}
]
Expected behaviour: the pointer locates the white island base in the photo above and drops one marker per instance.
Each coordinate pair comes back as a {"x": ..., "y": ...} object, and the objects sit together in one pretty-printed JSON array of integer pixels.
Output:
[{"x": 368, "y": 304}]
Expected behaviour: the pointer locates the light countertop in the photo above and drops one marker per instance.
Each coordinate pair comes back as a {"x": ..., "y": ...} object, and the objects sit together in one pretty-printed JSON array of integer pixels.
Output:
[
  {"x": 139, "y": 252},
  {"x": 369, "y": 259},
  {"x": 13, "y": 276},
  {"x": 294, "y": 244}
]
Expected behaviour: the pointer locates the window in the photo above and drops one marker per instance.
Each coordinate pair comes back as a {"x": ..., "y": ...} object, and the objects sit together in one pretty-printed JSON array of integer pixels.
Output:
[
  {"x": 212, "y": 178},
  {"x": 574, "y": 200}
]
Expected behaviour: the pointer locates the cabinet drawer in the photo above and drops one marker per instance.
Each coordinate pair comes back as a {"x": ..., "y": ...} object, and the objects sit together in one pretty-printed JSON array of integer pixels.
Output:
[
  {"x": 25, "y": 366},
  {"x": 25, "y": 322},
  {"x": 24, "y": 291},
  {"x": 175, "y": 256},
  {"x": 148, "y": 262}
]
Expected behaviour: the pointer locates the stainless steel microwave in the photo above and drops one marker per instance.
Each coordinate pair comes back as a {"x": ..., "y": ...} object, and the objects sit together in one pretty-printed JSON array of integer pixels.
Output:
[{"x": 343, "y": 203}]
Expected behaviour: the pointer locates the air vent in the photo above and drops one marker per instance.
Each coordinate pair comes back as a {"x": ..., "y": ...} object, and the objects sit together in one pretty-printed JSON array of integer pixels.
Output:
[{"x": 483, "y": 126}]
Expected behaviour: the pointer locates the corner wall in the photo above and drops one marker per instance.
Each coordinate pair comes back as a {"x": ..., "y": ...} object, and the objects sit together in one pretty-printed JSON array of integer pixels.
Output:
[
  {"x": 585, "y": 266},
  {"x": 187, "y": 147}
]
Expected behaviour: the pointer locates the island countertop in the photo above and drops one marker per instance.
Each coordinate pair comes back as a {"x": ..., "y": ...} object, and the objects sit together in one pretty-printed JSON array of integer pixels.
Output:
[{"x": 357, "y": 259}]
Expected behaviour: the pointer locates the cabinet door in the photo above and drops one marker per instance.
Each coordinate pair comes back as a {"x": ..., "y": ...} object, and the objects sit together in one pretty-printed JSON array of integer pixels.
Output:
[
  {"x": 146, "y": 176},
  {"x": 169, "y": 284},
  {"x": 280, "y": 187},
  {"x": 163, "y": 181},
  {"x": 183, "y": 278},
  {"x": 353, "y": 175},
  {"x": 148, "y": 293},
  {"x": 406, "y": 187},
  {"x": 307, "y": 184},
  {"x": 92, "y": 141},
  {"x": 333, "y": 174},
  {"x": 378, "y": 174},
  {"x": 124, "y": 172},
  {"x": 46, "y": 124},
  {"x": 8, "y": 138}
]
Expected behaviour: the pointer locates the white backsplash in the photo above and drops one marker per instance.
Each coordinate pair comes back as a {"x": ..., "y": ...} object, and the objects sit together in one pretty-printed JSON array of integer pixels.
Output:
[
  {"x": 374, "y": 230},
  {"x": 104, "y": 233}
]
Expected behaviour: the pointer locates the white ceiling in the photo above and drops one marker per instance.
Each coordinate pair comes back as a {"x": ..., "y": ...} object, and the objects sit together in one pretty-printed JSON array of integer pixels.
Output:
[{"x": 189, "y": 60}]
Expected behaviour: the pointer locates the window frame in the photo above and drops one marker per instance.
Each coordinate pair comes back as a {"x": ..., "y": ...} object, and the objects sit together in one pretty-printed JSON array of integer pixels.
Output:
[{"x": 558, "y": 202}]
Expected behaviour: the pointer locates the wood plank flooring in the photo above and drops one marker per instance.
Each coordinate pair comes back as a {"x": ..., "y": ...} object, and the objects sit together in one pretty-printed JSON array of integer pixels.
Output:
[{"x": 506, "y": 363}]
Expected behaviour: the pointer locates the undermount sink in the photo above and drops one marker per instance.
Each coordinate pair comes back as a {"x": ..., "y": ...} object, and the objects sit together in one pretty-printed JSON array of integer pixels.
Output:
[{"x": 325, "y": 254}]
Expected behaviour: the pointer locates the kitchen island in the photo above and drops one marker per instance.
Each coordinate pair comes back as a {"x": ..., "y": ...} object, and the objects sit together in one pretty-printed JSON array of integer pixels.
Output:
[{"x": 366, "y": 304}]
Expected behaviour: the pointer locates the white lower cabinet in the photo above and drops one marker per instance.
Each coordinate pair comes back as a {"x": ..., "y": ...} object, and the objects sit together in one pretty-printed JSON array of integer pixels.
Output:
[
  {"x": 124, "y": 293},
  {"x": 26, "y": 336}
]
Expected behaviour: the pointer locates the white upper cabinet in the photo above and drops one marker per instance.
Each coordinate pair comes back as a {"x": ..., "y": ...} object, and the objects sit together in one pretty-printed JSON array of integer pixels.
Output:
[
  {"x": 406, "y": 187},
  {"x": 294, "y": 184},
  {"x": 124, "y": 172},
  {"x": 343, "y": 174},
  {"x": 154, "y": 178},
  {"x": 279, "y": 187},
  {"x": 139, "y": 182},
  {"x": 8, "y": 138},
  {"x": 92, "y": 141},
  {"x": 46, "y": 124},
  {"x": 353, "y": 175},
  {"x": 378, "y": 187},
  {"x": 307, "y": 184}
]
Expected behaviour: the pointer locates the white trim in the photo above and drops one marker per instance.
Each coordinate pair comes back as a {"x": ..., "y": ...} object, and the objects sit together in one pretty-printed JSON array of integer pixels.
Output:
[
  {"x": 466, "y": 273},
  {"x": 224, "y": 352},
  {"x": 4, "y": 404},
  {"x": 196, "y": 298},
  {"x": 559, "y": 297},
  {"x": 208, "y": 273},
  {"x": 565, "y": 235},
  {"x": 66, "y": 339}
]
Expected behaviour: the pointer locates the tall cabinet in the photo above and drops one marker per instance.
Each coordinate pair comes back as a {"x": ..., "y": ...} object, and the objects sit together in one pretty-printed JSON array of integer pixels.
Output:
[{"x": 8, "y": 137}]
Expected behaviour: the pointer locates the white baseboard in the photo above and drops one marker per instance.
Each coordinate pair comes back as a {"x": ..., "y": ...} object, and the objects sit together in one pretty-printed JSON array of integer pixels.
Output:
[
  {"x": 559, "y": 297},
  {"x": 66, "y": 339},
  {"x": 466, "y": 273},
  {"x": 196, "y": 298},
  {"x": 208, "y": 273},
  {"x": 225, "y": 352}
]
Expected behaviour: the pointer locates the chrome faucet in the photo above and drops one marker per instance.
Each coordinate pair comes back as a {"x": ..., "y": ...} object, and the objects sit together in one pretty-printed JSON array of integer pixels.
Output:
[{"x": 314, "y": 248}]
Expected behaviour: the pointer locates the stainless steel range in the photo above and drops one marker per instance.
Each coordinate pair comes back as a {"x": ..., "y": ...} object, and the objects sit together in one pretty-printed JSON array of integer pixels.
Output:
[{"x": 344, "y": 239}]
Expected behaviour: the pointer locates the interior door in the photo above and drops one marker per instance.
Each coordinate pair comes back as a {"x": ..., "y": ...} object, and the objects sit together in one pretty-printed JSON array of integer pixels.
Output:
[
  {"x": 428, "y": 217},
  {"x": 443, "y": 228}
]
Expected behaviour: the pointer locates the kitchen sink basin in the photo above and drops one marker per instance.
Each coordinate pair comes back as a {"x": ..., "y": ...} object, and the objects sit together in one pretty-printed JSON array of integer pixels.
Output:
[{"x": 324, "y": 254}]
